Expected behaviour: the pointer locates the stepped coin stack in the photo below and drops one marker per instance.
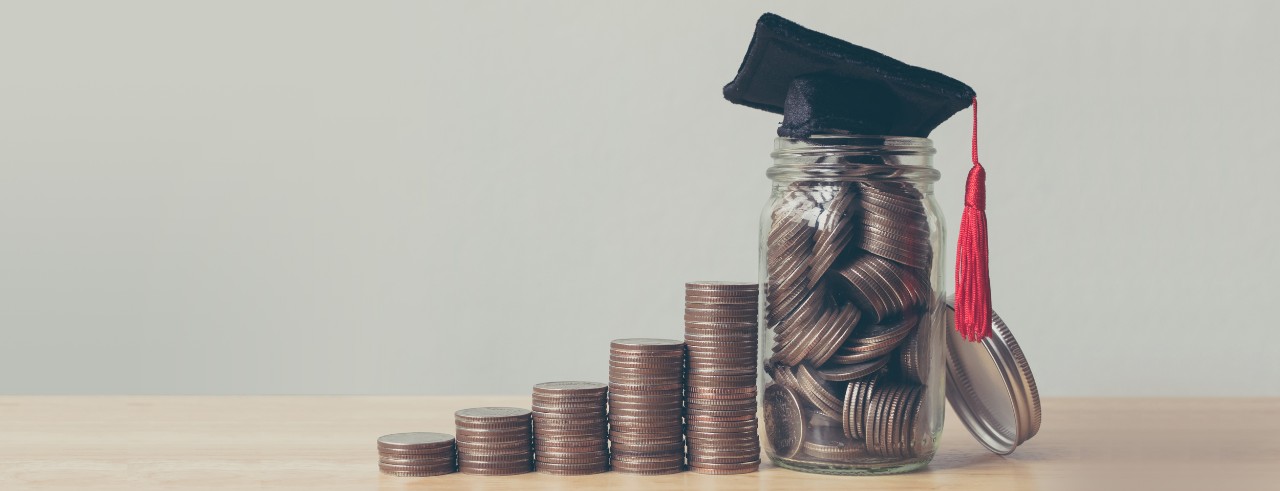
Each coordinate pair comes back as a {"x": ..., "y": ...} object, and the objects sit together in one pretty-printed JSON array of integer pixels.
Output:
[
  {"x": 494, "y": 441},
  {"x": 722, "y": 341},
  {"x": 417, "y": 454},
  {"x": 570, "y": 432},
  {"x": 646, "y": 405},
  {"x": 848, "y": 290}
]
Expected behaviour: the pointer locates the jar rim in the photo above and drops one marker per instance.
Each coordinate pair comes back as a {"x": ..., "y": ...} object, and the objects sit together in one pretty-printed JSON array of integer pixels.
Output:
[
  {"x": 850, "y": 144},
  {"x": 849, "y": 157}
]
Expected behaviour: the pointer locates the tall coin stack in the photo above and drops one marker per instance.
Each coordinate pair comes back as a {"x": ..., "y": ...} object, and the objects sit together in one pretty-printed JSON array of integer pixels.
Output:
[
  {"x": 646, "y": 405},
  {"x": 570, "y": 429},
  {"x": 416, "y": 454},
  {"x": 722, "y": 338},
  {"x": 494, "y": 441}
]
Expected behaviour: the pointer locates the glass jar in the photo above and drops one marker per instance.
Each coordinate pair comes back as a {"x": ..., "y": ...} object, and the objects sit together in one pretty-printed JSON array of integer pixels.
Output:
[{"x": 853, "y": 319}]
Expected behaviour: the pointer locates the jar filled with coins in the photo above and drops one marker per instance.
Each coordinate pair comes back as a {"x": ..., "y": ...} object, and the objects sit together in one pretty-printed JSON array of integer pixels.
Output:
[{"x": 854, "y": 317}]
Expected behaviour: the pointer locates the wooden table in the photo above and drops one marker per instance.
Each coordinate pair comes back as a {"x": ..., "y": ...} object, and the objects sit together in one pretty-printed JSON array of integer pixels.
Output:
[{"x": 328, "y": 443}]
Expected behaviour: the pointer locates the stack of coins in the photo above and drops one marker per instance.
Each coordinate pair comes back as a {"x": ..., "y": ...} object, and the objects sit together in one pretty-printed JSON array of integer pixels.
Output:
[
  {"x": 416, "y": 454},
  {"x": 570, "y": 432},
  {"x": 723, "y": 343},
  {"x": 847, "y": 296},
  {"x": 646, "y": 405},
  {"x": 494, "y": 441}
]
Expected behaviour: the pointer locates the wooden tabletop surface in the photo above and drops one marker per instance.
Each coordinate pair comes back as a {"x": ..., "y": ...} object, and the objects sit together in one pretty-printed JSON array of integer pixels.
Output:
[{"x": 296, "y": 442}]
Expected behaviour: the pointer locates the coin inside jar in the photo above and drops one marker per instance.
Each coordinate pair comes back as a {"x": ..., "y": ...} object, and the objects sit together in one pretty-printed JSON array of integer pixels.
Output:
[{"x": 784, "y": 425}]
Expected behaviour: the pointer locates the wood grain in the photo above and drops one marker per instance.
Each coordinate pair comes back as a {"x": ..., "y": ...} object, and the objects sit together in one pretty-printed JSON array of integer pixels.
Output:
[{"x": 328, "y": 443}]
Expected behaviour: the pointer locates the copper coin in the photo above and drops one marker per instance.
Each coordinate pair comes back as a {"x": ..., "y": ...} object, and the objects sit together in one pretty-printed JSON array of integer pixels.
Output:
[
  {"x": 483, "y": 471},
  {"x": 576, "y": 388},
  {"x": 581, "y": 455},
  {"x": 424, "y": 441},
  {"x": 495, "y": 463},
  {"x": 835, "y": 452},
  {"x": 843, "y": 322},
  {"x": 389, "y": 466},
  {"x": 845, "y": 373},
  {"x": 510, "y": 443},
  {"x": 816, "y": 391},
  {"x": 911, "y": 357},
  {"x": 782, "y": 416},
  {"x": 647, "y": 344},
  {"x": 648, "y": 471},
  {"x": 722, "y": 286},
  {"x": 571, "y": 470},
  {"x": 748, "y": 390},
  {"x": 600, "y": 445},
  {"x": 747, "y": 303},
  {"x": 415, "y": 453},
  {"x": 470, "y": 433},
  {"x": 729, "y": 444},
  {"x": 543, "y": 413},
  {"x": 645, "y": 449},
  {"x": 646, "y": 362},
  {"x": 713, "y": 454},
  {"x": 655, "y": 352},
  {"x": 755, "y": 464},
  {"x": 711, "y": 326},
  {"x": 485, "y": 414},
  {"x": 834, "y": 229},
  {"x": 493, "y": 443},
  {"x": 572, "y": 423},
  {"x": 421, "y": 462},
  {"x": 628, "y": 407},
  {"x": 863, "y": 390},
  {"x": 439, "y": 472},
  {"x": 698, "y": 340},
  {"x": 722, "y": 311},
  {"x": 723, "y": 403},
  {"x": 569, "y": 430},
  {"x": 494, "y": 457},
  {"x": 646, "y": 438},
  {"x": 415, "y": 471},
  {"x": 724, "y": 472},
  {"x": 620, "y": 399},
  {"x": 569, "y": 399},
  {"x": 656, "y": 460},
  {"x": 620, "y": 422},
  {"x": 716, "y": 427},
  {"x": 479, "y": 470},
  {"x": 586, "y": 462},
  {"x": 748, "y": 377}
]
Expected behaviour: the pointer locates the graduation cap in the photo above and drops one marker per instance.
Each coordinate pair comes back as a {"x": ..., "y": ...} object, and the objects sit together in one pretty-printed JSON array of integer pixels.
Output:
[
  {"x": 820, "y": 84},
  {"x": 823, "y": 85}
]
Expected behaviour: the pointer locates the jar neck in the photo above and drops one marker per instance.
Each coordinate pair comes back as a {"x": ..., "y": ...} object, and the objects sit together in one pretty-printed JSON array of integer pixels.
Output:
[{"x": 853, "y": 158}]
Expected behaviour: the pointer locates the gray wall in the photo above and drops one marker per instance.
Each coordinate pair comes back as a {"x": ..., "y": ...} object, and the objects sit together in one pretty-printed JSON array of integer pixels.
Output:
[{"x": 464, "y": 198}]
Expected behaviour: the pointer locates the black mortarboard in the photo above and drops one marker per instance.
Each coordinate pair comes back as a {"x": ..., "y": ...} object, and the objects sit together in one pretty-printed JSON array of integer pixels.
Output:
[{"x": 821, "y": 84}]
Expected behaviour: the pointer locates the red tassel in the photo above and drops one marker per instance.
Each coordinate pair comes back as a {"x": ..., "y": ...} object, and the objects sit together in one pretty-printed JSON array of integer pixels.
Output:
[{"x": 973, "y": 279}]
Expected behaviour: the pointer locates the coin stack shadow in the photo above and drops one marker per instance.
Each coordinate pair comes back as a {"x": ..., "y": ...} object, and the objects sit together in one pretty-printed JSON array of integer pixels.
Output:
[
  {"x": 570, "y": 429},
  {"x": 646, "y": 405},
  {"x": 722, "y": 338},
  {"x": 417, "y": 454},
  {"x": 494, "y": 441},
  {"x": 848, "y": 289}
]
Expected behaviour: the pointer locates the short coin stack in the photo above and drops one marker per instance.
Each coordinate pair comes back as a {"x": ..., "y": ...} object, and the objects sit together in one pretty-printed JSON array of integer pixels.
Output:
[
  {"x": 416, "y": 454},
  {"x": 494, "y": 441},
  {"x": 646, "y": 405},
  {"x": 570, "y": 432},
  {"x": 723, "y": 343}
]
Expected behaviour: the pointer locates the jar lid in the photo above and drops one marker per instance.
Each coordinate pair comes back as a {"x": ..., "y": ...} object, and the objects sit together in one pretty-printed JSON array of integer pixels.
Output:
[{"x": 990, "y": 386}]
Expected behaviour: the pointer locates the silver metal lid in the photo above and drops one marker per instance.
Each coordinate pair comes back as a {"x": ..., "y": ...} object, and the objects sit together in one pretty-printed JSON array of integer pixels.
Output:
[{"x": 990, "y": 386}]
